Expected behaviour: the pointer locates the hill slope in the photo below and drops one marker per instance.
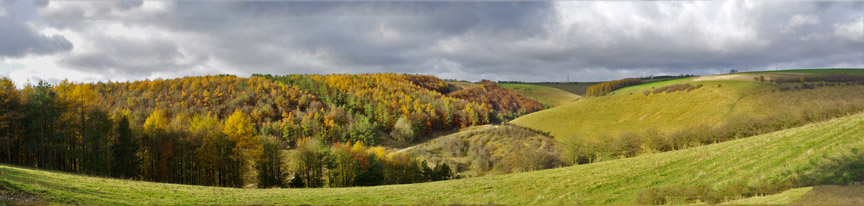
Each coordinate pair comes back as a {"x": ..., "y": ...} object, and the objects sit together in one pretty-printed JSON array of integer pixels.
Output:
[
  {"x": 489, "y": 149},
  {"x": 802, "y": 156},
  {"x": 549, "y": 96},
  {"x": 640, "y": 109}
]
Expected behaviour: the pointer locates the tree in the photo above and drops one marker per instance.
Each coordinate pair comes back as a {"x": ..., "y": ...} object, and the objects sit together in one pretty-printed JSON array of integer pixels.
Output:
[
  {"x": 362, "y": 129},
  {"x": 11, "y": 113},
  {"x": 126, "y": 161},
  {"x": 341, "y": 167},
  {"x": 157, "y": 146},
  {"x": 42, "y": 147},
  {"x": 441, "y": 172},
  {"x": 270, "y": 173},
  {"x": 215, "y": 157},
  {"x": 308, "y": 161},
  {"x": 238, "y": 129},
  {"x": 372, "y": 174},
  {"x": 96, "y": 143}
]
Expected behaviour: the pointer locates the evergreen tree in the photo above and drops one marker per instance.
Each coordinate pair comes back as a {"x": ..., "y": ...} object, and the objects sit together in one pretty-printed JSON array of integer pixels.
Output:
[
  {"x": 95, "y": 144},
  {"x": 126, "y": 161}
]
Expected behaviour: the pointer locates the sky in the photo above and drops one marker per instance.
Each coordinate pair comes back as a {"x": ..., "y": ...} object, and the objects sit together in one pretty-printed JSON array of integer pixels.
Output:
[{"x": 101, "y": 40}]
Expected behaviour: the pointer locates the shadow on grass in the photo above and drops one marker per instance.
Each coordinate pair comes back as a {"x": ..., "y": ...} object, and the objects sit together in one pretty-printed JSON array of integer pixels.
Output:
[
  {"x": 12, "y": 195},
  {"x": 46, "y": 188},
  {"x": 843, "y": 170}
]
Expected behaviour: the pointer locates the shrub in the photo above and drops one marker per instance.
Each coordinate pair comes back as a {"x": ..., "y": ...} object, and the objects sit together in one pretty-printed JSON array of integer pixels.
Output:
[
  {"x": 829, "y": 77},
  {"x": 403, "y": 130},
  {"x": 525, "y": 158},
  {"x": 452, "y": 146},
  {"x": 675, "y": 88}
]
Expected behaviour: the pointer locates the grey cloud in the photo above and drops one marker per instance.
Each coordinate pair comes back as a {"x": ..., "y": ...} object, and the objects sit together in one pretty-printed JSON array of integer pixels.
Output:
[
  {"x": 531, "y": 41},
  {"x": 18, "y": 39}
]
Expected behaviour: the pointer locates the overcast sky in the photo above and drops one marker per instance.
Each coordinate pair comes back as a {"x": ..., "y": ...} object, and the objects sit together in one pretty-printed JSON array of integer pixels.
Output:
[{"x": 528, "y": 41}]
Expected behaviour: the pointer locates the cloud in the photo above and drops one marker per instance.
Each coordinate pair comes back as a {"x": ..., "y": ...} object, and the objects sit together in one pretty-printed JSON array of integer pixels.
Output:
[
  {"x": 19, "y": 38},
  {"x": 530, "y": 41},
  {"x": 800, "y": 20},
  {"x": 853, "y": 31}
]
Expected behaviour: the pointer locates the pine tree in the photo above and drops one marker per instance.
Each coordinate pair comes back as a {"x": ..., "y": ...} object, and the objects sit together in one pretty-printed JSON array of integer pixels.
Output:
[{"x": 125, "y": 163}]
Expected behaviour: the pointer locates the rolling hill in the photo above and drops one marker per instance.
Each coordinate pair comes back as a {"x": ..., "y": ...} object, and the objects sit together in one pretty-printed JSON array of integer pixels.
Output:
[
  {"x": 719, "y": 99},
  {"x": 548, "y": 96},
  {"x": 819, "y": 153}
]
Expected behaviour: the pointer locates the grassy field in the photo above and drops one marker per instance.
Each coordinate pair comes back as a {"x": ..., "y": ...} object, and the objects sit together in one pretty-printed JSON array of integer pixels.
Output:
[
  {"x": 549, "y": 96},
  {"x": 630, "y": 110},
  {"x": 776, "y": 158}
]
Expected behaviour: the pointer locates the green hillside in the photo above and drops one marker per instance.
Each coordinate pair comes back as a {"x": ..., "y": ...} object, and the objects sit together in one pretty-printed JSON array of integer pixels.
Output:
[
  {"x": 718, "y": 101},
  {"x": 826, "y": 152},
  {"x": 549, "y": 96}
]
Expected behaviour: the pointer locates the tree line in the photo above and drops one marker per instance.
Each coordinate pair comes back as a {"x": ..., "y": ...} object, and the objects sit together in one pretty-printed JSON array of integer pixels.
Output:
[
  {"x": 607, "y": 87},
  {"x": 227, "y": 131}
]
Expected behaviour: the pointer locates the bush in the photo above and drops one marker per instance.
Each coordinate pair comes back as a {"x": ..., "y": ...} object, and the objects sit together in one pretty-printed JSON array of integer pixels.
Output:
[
  {"x": 528, "y": 158},
  {"x": 677, "y": 87},
  {"x": 452, "y": 146},
  {"x": 403, "y": 130},
  {"x": 829, "y": 77}
]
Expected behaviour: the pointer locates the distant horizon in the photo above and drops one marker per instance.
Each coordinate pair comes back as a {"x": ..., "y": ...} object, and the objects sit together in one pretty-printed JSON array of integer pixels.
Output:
[{"x": 55, "y": 81}]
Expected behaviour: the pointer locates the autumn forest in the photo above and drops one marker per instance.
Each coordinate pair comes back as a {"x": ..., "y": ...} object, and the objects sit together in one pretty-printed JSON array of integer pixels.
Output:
[{"x": 263, "y": 131}]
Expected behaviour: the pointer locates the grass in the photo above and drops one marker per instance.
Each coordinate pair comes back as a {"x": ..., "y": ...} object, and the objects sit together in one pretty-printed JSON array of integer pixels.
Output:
[
  {"x": 630, "y": 110},
  {"x": 549, "y": 96},
  {"x": 772, "y": 158}
]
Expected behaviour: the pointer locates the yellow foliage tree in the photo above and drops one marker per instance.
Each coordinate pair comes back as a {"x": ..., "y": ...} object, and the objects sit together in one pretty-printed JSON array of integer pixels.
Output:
[
  {"x": 157, "y": 121},
  {"x": 238, "y": 128}
]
